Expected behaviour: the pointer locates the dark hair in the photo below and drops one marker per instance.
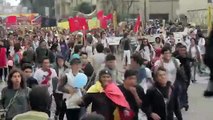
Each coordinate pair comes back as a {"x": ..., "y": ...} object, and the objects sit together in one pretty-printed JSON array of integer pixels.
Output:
[
  {"x": 45, "y": 58},
  {"x": 159, "y": 69},
  {"x": 83, "y": 53},
  {"x": 41, "y": 41},
  {"x": 137, "y": 58},
  {"x": 129, "y": 73},
  {"x": 75, "y": 61},
  {"x": 77, "y": 49},
  {"x": 38, "y": 104},
  {"x": 107, "y": 50},
  {"x": 26, "y": 66},
  {"x": 178, "y": 45},
  {"x": 103, "y": 32},
  {"x": 142, "y": 45},
  {"x": 125, "y": 35},
  {"x": 10, "y": 83},
  {"x": 93, "y": 116},
  {"x": 166, "y": 48},
  {"x": 110, "y": 57},
  {"x": 100, "y": 48},
  {"x": 17, "y": 47}
]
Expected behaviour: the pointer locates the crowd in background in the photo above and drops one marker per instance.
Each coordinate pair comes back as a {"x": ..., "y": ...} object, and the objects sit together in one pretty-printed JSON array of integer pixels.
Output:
[{"x": 137, "y": 75}]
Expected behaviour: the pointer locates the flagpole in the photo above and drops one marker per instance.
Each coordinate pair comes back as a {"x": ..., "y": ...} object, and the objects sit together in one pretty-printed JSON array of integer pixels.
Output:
[{"x": 209, "y": 18}]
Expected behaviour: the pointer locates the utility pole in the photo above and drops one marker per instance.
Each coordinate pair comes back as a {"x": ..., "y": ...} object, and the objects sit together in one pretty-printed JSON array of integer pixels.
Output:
[
  {"x": 172, "y": 10},
  {"x": 145, "y": 14}
]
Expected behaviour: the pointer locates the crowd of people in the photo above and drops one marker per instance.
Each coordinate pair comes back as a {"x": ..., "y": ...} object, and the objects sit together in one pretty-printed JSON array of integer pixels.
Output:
[{"x": 40, "y": 65}]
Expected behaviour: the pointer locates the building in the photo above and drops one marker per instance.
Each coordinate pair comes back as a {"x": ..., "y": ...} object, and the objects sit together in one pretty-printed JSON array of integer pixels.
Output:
[{"x": 195, "y": 10}]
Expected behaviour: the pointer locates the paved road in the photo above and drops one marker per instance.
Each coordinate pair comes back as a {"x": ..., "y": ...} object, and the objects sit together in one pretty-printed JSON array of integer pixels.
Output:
[{"x": 200, "y": 107}]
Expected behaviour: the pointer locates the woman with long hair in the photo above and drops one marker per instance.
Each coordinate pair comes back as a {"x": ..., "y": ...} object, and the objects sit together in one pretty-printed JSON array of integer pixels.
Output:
[
  {"x": 146, "y": 50},
  {"x": 14, "y": 97},
  {"x": 195, "y": 53}
]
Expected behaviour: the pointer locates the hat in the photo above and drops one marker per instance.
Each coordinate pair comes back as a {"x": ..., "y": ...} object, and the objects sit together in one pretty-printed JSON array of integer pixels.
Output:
[
  {"x": 104, "y": 72},
  {"x": 75, "y": 61}
]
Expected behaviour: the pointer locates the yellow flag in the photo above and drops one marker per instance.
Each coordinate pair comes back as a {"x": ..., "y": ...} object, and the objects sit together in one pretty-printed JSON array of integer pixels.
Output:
[
  {"x": 64, "y": 25},
  {"x": 93, "y": 23},
  {"x": 209, "y": 19},
  {"x": 115, "y": 20}
]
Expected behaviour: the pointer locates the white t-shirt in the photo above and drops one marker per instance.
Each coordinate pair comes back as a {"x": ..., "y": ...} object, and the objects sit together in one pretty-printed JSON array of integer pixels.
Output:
[
  {"x": 40, "y": 75},
  {"x": 170, "y": 68},
  {"x": 201, "y": 44},
  {"x": 146, "y": 53},
  {"x": 88, "y": 50},
  {"x": 105, "y": 42},
  {"x": 194, "y": 51},
  {"x": 98, "y": 61}
]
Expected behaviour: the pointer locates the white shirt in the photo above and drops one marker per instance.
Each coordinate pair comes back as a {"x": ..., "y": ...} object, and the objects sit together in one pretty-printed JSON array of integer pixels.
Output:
[
  {"x": 146, "y": 53},
  {"x": 72, "y": 100},
  {"x": 201, "y": 44},
  {"x": 39, "y": 75},
  {"x": 88, "y": 50},
  {"x": 105, "y": 42},
  {"x": 194, "y": 51},
  {"x": 98, "y": 60},
  {"x": 170, "y": 68}
]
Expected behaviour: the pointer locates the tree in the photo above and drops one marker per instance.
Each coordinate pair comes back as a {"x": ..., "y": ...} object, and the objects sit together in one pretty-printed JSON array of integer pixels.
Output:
[
  {"x": 85, "y": 7},
  {"x": 38, "y": 6}
]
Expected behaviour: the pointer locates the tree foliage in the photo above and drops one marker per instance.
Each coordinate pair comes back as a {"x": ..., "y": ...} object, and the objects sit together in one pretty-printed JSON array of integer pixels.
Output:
[
  {"x": 85, "y": 7},
  {"x": 38, "y": 6}
]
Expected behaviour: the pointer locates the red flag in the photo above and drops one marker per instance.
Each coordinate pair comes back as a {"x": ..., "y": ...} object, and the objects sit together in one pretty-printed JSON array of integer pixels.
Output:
[
  {"x": 100, "y": 14},
  {"x": 137, "y": 24},
  {"x": 11, "y": 20},
  {"x": 83, "y": 23},
  {"x": 103, "y": 22},
  {"x": 78, "y": 23},
  {"x": 74, "y": 24},
  {"x": 3, "y": 60},
  {"x": 109, "y": 16}
]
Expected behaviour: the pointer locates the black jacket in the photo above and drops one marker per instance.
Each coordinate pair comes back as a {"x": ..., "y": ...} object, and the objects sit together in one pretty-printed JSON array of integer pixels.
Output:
[
  {"x": 185, "y": 62},
  {"x": 155, "y": 103}
]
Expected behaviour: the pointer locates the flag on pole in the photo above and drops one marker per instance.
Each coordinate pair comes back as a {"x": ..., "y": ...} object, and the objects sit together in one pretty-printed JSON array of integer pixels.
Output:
[
  {"x": 93, "y": 23},
  {"x": 63, "y": 25},
  {"x": 11, "y": 20},
  {"x": 115, "y": 23},
  {"x": 137, "y": 24},
  {"x": 100, "y": 14},
  {"x": 209, "y": 19},
  {"x": 78, "y": 23}
]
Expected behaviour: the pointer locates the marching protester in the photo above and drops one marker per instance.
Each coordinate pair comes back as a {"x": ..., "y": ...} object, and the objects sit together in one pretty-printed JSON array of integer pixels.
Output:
[
  {"x": 144, "y": 74},
  {"x": 60, "y": 69},
  {"x": 39, "y": 107},
  {"x": 15, "y": 97},
  {"x": 99, "y": 58},
  {"x": 162, "y": 100},
  {"x": 28, "y": 74},
  {"x": 146, "y": 50},
  {"x": 133, "y": 93},
  {"x": 185, "y": 61},
  {"x": 106, "y": 98},
  {"x": 110, "y": 65},
  {"x": 169, "y": 63},
  {"x": 45, "y": 77},
  {"x": 194, "y": 52},
  {"x": 126, "y": 47},
  {"x": 71, "y": 95}
]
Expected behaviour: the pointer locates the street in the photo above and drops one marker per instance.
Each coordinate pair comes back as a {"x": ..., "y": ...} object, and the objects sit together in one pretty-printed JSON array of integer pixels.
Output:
[{"x": 200, "y": 108}]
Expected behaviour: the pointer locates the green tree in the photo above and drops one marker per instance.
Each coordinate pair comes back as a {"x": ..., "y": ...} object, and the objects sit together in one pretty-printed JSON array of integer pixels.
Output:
[
  {"x": 38, "y": 6},
  {"x": 85, "y": 7}
]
